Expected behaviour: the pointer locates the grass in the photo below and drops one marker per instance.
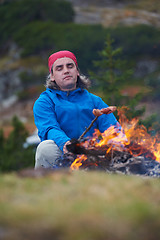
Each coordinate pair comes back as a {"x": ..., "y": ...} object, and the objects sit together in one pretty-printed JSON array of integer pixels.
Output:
[{"x": 79, "y": 205}]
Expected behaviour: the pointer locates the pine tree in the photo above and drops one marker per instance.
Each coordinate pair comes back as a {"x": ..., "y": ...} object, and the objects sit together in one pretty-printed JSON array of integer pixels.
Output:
[
  {"x": 111, "y": 74},
  {"x": 13, "y": 156}
]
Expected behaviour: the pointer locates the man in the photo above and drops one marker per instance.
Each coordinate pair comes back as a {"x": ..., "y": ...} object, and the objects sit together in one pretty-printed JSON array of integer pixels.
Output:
[{"x": 65, "y": 109}]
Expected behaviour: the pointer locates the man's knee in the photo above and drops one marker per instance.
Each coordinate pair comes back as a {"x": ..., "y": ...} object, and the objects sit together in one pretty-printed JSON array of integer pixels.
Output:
[{"x": 46, "y": 154}]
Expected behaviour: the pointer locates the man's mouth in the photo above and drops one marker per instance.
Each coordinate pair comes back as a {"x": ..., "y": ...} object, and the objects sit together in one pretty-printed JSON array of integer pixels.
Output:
[{"x": 67, "y": 77}]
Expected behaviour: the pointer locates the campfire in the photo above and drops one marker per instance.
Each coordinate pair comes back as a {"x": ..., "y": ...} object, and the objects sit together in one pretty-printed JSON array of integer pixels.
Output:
[{"x": 130, "y": 149}]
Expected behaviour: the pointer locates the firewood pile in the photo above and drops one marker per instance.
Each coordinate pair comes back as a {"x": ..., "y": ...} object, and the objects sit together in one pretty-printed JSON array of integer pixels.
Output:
[{"x": 115, "y": 161}]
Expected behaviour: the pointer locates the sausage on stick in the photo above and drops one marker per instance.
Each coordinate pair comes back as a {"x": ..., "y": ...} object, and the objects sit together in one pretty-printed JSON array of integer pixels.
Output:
[{"x": 97, "y": 113}]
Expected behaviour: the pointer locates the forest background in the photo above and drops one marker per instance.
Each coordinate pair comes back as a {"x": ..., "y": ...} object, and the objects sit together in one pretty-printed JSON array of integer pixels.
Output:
[{"x": 96, "y": 31}]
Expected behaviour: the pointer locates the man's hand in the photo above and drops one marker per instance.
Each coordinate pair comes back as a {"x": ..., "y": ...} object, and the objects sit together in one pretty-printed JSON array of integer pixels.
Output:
[
  {"x": 65, "y": 147},
  {"x": 69, "y": 155}
]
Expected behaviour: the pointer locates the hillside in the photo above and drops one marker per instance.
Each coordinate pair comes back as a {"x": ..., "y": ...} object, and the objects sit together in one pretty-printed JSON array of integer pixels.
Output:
[{"x": 111, "y": 16}]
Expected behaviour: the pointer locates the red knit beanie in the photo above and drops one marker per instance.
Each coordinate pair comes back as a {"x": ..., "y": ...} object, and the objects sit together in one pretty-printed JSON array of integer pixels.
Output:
[{"x": 61, "y": 54}]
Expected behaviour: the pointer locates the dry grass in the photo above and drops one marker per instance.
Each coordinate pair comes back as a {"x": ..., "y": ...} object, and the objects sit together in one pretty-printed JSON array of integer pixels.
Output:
[{"x": 79, "y": 205}]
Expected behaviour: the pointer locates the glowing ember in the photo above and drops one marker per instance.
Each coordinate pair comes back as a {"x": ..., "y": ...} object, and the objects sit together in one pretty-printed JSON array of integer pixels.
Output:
[{"x": 132, "y": 138}]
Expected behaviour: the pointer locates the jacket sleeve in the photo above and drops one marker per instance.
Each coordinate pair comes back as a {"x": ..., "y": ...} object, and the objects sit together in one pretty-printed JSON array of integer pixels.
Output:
[
  {"x": 105, "y": 120},
  {"x": 46, "y": 122}
]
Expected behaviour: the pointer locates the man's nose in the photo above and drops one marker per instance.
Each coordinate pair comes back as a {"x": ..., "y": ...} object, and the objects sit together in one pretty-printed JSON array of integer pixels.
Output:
[{"x": 65, "y": 69}]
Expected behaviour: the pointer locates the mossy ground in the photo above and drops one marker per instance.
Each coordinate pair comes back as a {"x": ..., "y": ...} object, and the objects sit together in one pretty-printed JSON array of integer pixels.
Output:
[{"x": 79, "y": 205}]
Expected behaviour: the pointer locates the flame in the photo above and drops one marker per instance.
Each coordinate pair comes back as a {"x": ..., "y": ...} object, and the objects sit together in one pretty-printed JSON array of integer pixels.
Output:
[
  {"x": 132, "y": 137},
  {"x": 78, "y": 162}
]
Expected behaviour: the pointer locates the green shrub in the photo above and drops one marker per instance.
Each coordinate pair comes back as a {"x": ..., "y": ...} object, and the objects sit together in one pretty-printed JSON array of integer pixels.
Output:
[
  {"x": 16, "y": 14},
  {"x": 137, "y": 41},
  {"x": 84, "y": 41},
  {"x": 25, "y": 11},
  {"x": 40, "y": 37},
  {"x": 29, "y": 79},
  {"x": 13, "y": 156},
  {"x": 153, "y": 81},
  {"x": 87, "y": 40}
]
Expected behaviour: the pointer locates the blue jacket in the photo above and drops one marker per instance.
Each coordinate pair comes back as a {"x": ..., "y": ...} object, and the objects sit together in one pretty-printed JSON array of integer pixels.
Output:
[{"x": 62, "y": 116}]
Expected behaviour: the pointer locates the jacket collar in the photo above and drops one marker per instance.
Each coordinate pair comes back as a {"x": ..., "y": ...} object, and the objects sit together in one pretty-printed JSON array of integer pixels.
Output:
[{"x": 65, "y": 93}]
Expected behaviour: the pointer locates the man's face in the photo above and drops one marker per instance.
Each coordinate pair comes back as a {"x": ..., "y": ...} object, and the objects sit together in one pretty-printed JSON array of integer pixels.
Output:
[{"x": 65, "y": 73}]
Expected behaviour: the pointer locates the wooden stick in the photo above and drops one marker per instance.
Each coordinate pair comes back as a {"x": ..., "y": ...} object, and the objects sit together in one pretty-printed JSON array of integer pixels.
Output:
[
  {"x": 87, "y": 129},
  {"x": 97, "y": 113}
]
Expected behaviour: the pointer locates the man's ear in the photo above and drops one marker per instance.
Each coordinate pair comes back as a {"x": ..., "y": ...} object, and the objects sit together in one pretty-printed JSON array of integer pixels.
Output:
[{"x": 52, "y": 77}]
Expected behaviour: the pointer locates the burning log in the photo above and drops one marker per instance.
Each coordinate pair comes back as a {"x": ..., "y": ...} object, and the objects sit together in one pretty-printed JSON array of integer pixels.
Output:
[
  {"x": 77, "y": 147},
  {"x": 138, "y": 150},
  {"x": 115, "y": 161}
]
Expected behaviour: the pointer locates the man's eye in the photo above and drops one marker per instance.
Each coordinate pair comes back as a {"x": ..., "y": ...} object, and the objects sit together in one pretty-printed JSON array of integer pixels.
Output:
[
  {"x": 59, "y": 68},
  {"x": 70, "y": 65}
]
